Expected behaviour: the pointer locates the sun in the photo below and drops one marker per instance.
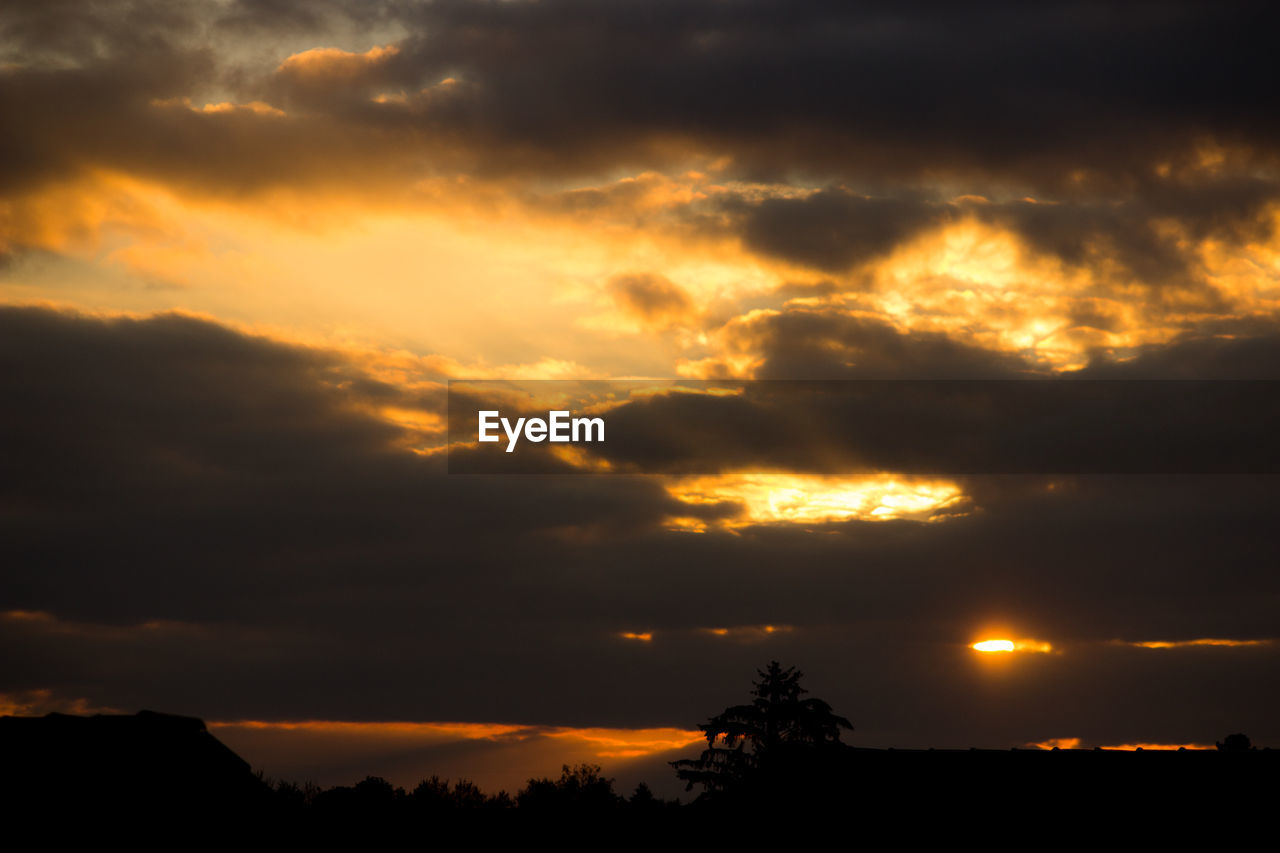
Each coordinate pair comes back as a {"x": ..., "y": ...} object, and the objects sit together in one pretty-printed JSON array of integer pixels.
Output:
[{"x": 1002, "y": 645}]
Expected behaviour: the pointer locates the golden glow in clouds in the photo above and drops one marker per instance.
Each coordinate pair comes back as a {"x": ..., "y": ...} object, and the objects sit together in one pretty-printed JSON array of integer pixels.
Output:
[
  {"x": 1076, "y": 743},
  {"x": 1206, "y": 641},
  {"x": 772, "y": 498}
]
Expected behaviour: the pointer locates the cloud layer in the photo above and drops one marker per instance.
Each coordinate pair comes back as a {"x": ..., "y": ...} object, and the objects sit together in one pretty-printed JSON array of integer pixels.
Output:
[{"x": 224, "y": 514}]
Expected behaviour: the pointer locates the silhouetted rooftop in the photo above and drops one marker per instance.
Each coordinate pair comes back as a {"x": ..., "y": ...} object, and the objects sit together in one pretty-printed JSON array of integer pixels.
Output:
[{"x": 121, "y": 761}]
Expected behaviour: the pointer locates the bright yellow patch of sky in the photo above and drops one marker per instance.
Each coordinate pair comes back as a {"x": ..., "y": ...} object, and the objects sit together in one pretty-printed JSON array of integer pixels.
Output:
[{"x": 769, "y": 498}]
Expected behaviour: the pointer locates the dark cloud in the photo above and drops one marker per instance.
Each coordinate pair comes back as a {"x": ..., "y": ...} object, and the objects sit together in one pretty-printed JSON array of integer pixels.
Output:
[
  {"x": 921, "y": 425},
  {"x": 1064, "y": 98},
  {"x": 842, "y": 393},
  {"x": 76, "y": 31},
  {"x": 868, "y": 89},
  {"x": 273, "y": 17},
  {"x": 811, "y": 344},
  {"x": 654, "y": 299},
  {"x": 209, "y": 441},
  {"x": 120, "y": 87},
  {"x": 216, "y": 524},
  {"x": 835, "y": 230},
  {"x": 1248, "y": 349}
]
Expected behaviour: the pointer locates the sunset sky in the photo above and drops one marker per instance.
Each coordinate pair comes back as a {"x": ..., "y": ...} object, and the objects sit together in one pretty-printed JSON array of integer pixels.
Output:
[{"x": 244, "y": 246}]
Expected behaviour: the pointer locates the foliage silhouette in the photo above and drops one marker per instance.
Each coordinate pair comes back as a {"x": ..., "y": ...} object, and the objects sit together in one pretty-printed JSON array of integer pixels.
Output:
[
  {"x": 435, "y": 796},
  {"x": 1238, "y": 742},
  {"x": 778, "y": 734},
  {"x": 579, "y": 788},
  {"x": 778, "y": 757}
]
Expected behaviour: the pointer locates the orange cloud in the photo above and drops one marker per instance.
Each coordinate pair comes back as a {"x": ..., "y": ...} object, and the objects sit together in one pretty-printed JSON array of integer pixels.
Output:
[
  {"x": 630, "y": 743},
  {"x": 653, "y": 299},
  {"x": 49, "y": 624},
  {"x": 332, "y": 62},
  {"x": 493, "y": 258},
  {"x": 1075, "y": 743},
  {"x": 981, "y": 284},
  {"x": 494, "y": 755},
  {"x": 773, "y": 498},
  {"x": 748, "y": 633},
  {"x": 1055, "y": 743},
  {"x": 256, "y": 107},
  {"x": 604, "y": 742},
  {"x": 1206, "y": 641},
  {"x": 36, "y": 703},
  {"x": 1159, "y": 746},
  {"x": 444, "y": 731}
]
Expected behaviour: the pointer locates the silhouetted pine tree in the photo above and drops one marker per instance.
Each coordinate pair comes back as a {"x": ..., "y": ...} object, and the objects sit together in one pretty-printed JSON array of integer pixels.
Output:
[{"x": 765, "y": 740}]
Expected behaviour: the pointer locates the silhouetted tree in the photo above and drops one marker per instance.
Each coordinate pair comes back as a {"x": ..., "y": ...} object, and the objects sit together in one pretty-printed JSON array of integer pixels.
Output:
[
  {"x": 779, "y": 731},
  {"x": 292, "y": 798},
  {"x": 579, "y": 788},
  {"x": 432, "y": 796},
  {"x": 375, "y": 789},
  {"x": 643, "y": 796},
  {"x": 467, "y": 795},
  {"x": 1238, "y": 742}
]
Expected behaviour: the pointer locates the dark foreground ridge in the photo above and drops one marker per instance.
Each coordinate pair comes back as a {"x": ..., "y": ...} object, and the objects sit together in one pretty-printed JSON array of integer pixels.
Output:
[
  {"x": 123, "y": 762},
  {"x": 133, "y": 771}
]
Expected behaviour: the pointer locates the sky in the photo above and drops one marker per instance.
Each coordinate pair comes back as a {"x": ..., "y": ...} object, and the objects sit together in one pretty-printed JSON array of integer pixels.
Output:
[{"x": 245, "y": 246}]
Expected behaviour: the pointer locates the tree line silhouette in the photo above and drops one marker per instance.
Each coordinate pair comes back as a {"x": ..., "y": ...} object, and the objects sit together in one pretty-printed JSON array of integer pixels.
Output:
[
  {"x": 580, "y": 789},
  {"x": 782, "y": 752}
]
